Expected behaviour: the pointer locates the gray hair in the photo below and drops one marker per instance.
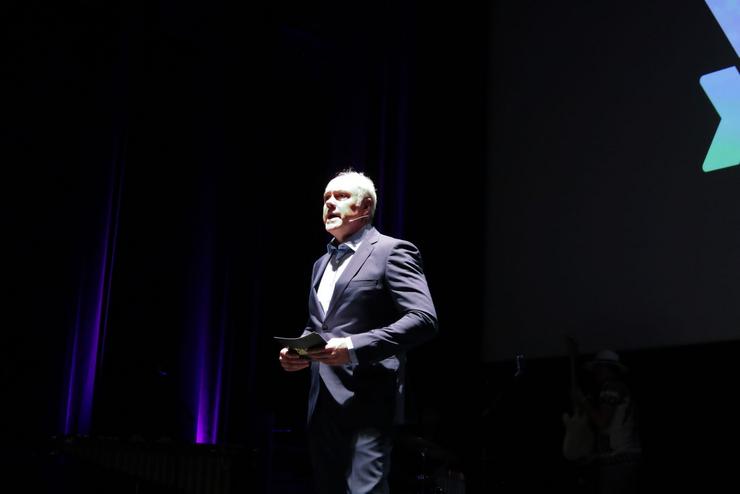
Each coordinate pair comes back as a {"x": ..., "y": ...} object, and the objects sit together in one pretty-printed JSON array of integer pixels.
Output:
[{"x": 365, "y": 185}]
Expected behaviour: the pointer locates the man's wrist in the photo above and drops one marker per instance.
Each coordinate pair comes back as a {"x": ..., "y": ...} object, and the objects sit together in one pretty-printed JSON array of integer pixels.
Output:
[{"x": 351, "y": 350}]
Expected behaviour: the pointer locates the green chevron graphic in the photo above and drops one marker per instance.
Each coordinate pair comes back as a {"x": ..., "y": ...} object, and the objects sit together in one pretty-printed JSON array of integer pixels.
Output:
[{"x": 723, "y": 89}]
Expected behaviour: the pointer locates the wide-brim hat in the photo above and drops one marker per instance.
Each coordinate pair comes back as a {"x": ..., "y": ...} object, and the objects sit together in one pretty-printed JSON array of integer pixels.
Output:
[{"x": 608, "y": 358}]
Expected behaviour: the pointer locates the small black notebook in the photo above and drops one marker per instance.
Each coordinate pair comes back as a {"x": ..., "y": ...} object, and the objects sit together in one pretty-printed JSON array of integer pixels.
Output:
[{"x": 303, "y": 344}]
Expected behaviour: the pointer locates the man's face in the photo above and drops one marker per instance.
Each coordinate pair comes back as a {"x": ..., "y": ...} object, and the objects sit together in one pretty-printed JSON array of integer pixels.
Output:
[{"x": 343, "y": 208}]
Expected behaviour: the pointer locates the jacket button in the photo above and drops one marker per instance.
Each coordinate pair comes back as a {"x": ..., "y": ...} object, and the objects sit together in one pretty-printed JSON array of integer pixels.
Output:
[{"x": 324, "y": 327}]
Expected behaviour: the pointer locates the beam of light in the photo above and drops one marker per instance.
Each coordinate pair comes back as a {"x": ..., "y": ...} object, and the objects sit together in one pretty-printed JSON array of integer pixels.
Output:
[
  {"x": 201, "y": 367},
  {"x": 114, "y": 212},
  {"x": 208, "y": 349},
  {"x": 68, "y": 409},
  {"x": 202, "y": 317},
  {"x": 89, "y": 328},
  {"x": 102, "y": 294},
  {"x": 216, "y": 403}
]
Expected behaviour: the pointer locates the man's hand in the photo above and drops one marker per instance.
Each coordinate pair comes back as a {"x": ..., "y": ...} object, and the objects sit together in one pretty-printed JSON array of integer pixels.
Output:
[
  {"x": 336, "y": 352},
  {"x": 291, "y": 362}
]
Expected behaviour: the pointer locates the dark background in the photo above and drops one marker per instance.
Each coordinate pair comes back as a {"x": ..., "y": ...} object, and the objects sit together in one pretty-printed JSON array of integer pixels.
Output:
[
  {"x": 196, "y": 138},
  {"x": 604, "y": 225}
]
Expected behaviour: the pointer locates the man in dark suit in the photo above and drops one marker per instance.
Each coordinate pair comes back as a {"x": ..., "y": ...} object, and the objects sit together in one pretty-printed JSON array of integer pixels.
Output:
[{"x": 369, "y": 299}]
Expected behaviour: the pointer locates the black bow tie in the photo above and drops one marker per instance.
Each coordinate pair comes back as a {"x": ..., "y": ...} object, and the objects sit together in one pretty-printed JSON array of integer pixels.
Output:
[{"x": 338, "y": 251}]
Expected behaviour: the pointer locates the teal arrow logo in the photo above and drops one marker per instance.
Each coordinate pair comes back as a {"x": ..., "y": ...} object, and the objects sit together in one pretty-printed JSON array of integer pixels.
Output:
[
  {"x": 727, "y": 13},
  {"x": 723, "y": 89}
]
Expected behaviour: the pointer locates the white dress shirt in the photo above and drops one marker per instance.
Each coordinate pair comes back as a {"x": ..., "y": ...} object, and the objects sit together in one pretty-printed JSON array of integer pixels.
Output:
[{"x": 334, "y": 269}]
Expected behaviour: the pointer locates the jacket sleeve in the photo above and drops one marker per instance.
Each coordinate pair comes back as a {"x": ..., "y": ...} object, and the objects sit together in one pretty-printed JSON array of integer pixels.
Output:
[{"x": 417, "y": 323}]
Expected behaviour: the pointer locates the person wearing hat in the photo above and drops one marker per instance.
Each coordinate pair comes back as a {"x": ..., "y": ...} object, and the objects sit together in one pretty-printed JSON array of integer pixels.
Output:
[{"x": 611, "y": 409}]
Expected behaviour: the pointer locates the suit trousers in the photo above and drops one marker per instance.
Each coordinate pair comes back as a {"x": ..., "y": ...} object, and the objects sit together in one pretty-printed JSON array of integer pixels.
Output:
[{"x": 347, "y": 458}]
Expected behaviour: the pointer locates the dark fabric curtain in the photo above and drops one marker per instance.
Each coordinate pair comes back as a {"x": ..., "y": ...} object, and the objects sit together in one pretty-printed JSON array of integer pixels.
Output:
[{"x": 162, "y": 203}]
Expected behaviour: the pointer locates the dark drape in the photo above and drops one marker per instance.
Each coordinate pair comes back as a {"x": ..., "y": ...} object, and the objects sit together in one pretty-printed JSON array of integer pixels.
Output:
[{"x": 166, "y": 162}]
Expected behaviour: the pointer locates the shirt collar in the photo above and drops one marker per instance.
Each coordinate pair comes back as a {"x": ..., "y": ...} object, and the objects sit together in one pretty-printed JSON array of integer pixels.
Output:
[{"x": 352, "y": 243}]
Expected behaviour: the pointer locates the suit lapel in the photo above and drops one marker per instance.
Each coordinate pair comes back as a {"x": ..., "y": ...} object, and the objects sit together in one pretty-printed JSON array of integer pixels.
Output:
[{"x": 355, "y": 263}]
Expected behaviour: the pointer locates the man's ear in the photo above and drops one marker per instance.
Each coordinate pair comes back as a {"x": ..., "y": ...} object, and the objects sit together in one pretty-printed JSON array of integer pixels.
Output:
[{"x": 367, "y": 204}]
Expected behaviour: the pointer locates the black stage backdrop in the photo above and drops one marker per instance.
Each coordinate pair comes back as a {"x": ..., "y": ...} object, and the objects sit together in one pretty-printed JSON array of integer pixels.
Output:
[{"x": 163, "y": 166}]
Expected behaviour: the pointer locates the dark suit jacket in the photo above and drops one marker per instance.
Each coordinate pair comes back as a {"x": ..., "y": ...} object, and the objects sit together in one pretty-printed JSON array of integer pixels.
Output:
[{"x": 382, "y": 301}]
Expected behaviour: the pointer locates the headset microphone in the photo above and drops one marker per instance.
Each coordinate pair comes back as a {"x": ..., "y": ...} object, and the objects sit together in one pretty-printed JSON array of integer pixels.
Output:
[{"x": 358, "y": 218}]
